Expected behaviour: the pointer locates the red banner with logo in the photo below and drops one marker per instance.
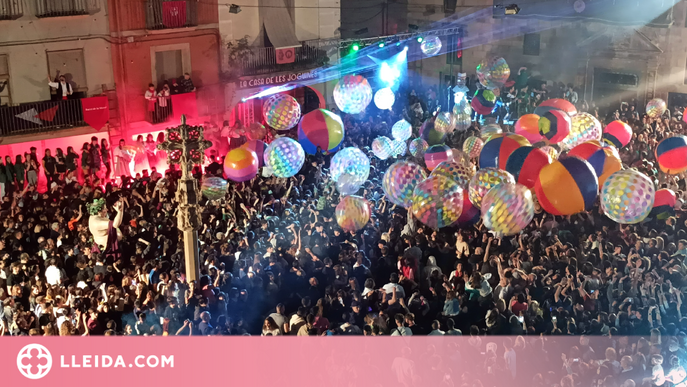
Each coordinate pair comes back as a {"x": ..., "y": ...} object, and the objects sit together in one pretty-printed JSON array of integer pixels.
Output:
[
  {"x": 96, "y": 111},
  {"x": 286, "y": 55},
  {"x": 174, "y": 14},
  {"x": 184, "y": 104}
]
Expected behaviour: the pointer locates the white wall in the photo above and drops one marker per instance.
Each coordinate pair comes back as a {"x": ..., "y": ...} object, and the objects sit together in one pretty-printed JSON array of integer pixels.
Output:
[
  {"x": 27, "y": 39},
  {"x": 317, "y": 23}
]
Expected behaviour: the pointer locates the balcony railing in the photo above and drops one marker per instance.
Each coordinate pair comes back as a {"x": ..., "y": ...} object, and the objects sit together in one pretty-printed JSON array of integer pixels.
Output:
[
  {"x": 263, "y": 60},
  {"x": 59, "y": 8},
  {"x": 11, "y": 9},
  {"x": 166, "y": 14},
  {"x": 37, "y": 117}
]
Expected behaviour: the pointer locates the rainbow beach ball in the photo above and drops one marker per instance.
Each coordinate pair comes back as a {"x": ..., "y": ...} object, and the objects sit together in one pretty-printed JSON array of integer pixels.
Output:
[
  {"x": 241, "y": 164},
  {"x": 281, "y": 111},
  {"x": 627, "y": 196},
  {"x": 437, "y": 154},
  {"x": 352, "y": 213},
  {"x": 284, "y": 156},
  {"x": 320, "y": 128}
]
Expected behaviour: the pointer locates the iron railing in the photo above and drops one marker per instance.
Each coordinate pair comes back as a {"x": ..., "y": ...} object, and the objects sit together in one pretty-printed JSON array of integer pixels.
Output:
[
  {"x": 37, "y": 117},
  {"x": 263, "y": 60},
  {"x": 166, "y": 14},
  {"x": 11, "y": 9},
  {"x": 58, "y": 8}
]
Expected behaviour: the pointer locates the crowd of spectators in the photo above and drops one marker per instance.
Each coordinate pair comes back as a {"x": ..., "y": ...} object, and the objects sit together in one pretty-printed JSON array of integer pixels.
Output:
[{"x": 274, "y": 262}]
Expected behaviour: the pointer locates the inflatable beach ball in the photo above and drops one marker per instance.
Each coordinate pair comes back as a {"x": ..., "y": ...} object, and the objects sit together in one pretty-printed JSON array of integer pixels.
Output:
[
  {"x": 213, "y": 188},
  {"x": 555, "y": 103},
  {"x": 507, "y": 208},
  {"x": 352, "y": 213},
  {"x": 617, "y": 133},
  {"x": 400, "y": 180},
  {"x": 495, "y": 152},
  {"x": 627, "y": 196},
  {"x": 418, "y": 147},
  {"x": 483, "y": 102},
  {"x": 484, "y": 180},
  {"x": 585, "y": 127},
  {"x": 352, "y": 94},
  {"x": 664, "y": 204},
  {"x": 350, "y": 161},
  {"x": 525, "y": 163},
  {"x": 528, "y": 127},
  {"x": 281, "y": 111},
  {"x": 320, "y": 128},
  {"x": 454, "y": 171},
  {"x": 437, "y": 154},
  {"x": 437, "y": 202},
  {"x": 258, "y": 147},
  {"x": 241, "y": 164},
  {"x": 567, "y": 186},
  {"x": 284, "y": 156},
  {"x": 554, "y": 125},
  {"x": 604, "y": 159},
  {"x": 671, "y": 154},
  {"x": 402, "y": 130}
]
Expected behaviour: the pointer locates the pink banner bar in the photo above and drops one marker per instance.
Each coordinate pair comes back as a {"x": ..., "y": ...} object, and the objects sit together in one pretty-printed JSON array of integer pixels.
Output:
[{"x": 324, "y": 361}]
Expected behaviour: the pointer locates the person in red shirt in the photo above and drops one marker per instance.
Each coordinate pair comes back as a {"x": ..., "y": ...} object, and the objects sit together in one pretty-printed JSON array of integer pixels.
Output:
[{"x": 518, "y": 304}]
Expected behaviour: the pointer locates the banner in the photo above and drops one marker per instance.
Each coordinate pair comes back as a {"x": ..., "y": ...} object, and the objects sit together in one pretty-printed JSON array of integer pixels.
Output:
[
  {"x": 286, "y": 55},
  {"x": 184, "y": 104},
  {"x": 96, "y": 111},
  {"x": 174, "y": 14}
]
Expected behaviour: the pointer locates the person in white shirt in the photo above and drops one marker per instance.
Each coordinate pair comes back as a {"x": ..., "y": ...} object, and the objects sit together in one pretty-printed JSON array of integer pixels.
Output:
[
  {"x": 435, "y": 329},
  {"x": 393, "y": 283},
  {"x": 53, "y": 274},
  {"x": 452, "y": 331},
  {"x": 64, "y": 89},
  {"x": 401, "y": 329}
]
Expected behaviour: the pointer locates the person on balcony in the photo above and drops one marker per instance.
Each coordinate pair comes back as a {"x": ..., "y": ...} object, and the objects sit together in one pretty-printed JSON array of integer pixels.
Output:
[
  {"x": 151, "y": 98},
  {"x": 163, "y": 105},
  {"x": 61, "y": 86},
  {"x": 187, "y": 84},
  {"x": 175, "y": 89}
]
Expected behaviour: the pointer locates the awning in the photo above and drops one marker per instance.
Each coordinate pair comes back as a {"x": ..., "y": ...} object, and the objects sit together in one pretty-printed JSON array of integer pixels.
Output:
[{"x": 278, "y": 23}]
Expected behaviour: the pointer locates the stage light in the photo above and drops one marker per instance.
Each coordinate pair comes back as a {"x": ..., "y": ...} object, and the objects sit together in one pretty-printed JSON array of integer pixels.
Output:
[
  {"x": 381, "y": 44},
  {"x": 419, "y": 39},
  {"x": 389, "y": 74},
  {"x": 243, "y": 100},
  {"x": 356, "y": 47}
]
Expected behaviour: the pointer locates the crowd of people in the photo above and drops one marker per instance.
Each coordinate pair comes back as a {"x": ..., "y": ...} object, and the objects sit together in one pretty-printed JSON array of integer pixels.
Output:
[{"x": 275, "y": 262}]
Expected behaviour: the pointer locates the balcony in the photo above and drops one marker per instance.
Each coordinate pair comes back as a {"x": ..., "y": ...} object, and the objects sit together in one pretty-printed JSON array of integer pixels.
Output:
[
  {"x": 171, "y": 108},
  {"x": 263, "y": 60},
  {"x": 60, "y": 8},
  {"x": 11, "y": 9},
  {"x": 170, "y": 14},
  {"x": 38, "y": 117}
]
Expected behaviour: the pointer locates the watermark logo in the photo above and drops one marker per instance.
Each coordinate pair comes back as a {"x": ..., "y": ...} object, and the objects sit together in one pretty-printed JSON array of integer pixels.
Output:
[{"x": 34, "y": 361}]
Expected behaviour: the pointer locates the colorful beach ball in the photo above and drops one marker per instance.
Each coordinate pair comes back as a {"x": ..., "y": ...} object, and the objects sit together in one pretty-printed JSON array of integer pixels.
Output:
[
  {"x": 484, "y": 180},
  {"x": 454, "y": 171},
  {"x": 284, "y": 156},
  {"x": 483, "y": 102},
  {"x": 348, "y": 184},
  {"x": 350, "y": 160},
  {"x": 320, "y": 128},
  {"x": 430, "y": 134},
  {"x": 664, "y": 204},
  {"x": 489, "y": 130},
  {"x": 555, "y": 103},
  {"x": 213, "y": 188},
  {"x": 418, "y": 147},
  {"x": 402, "y": 130},
  {"x": 604, "y": 159},
  {"x": 462, "y": 115},
  {"x": 655, "y": 108},
  {"x": 493, "y": 73},
  {"x": 671, "y": 154},
  {"x": 352, "y": 213},
  {"x": 567, "y": 186},
  {"x": 437, "y": 202},
  {"x": 431, "y": 45},
  {"x": 554, "y": 125},
  {"x": 399, "y": 148},
  {"x": 617, "y": 133},
  {"x": 400, "y": 180},
  {"x": 382, "y": 147},
  {"x": 241, "y": 164},
  {"x": 444, "y": 123},
  {"x": 352, "y": 94},
  {"x": 507, "y": 208},
  {"x": 585, "y": 127},
  {"x": 528, "y": 127},
  {"x": 551, "y": 151},
  {"x": 470, "y": 214},
  {"x": 258, "y": 147},
  {"x": 436, "y": 154},
  {"x": 472, "y": 146},
  {"x": 496, "y": 151},
  {"x": 281, "y": 111},
  {"x": 525, "y": 163},
  {"x": 384, "y": 98},
  {"x": 627, "y": 196}
]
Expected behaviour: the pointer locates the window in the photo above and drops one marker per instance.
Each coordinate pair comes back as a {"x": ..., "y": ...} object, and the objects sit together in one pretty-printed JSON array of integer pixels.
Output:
[
  {"x": 530, "y": 44},
  {"x": 69, "y": 63},
  {"x": 168, "y": 65},
  {"x": 11, "y": 9},
  {"x": 168, "y": 14},
  {"x": 57, "y": 8},
  {"x": 5, "y": 95},
  {"x": 454, "y": 49}
]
